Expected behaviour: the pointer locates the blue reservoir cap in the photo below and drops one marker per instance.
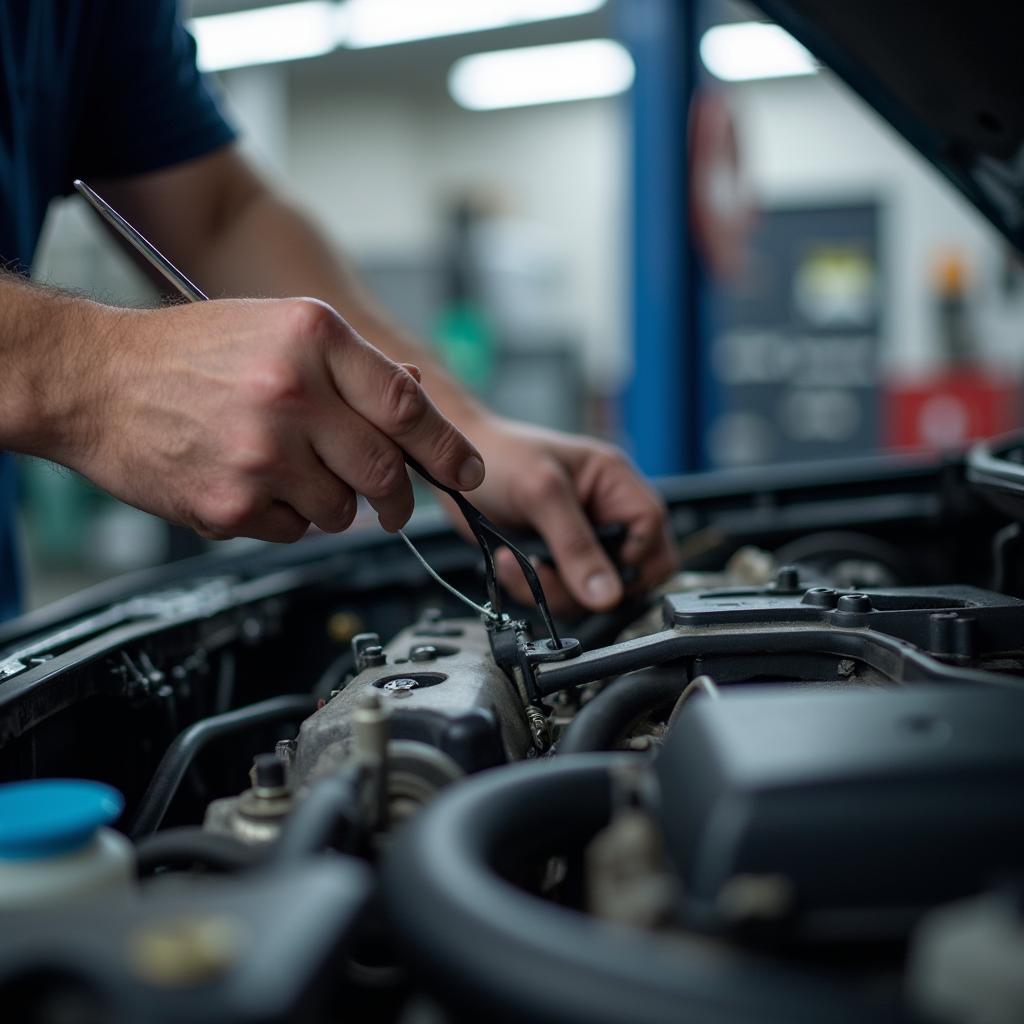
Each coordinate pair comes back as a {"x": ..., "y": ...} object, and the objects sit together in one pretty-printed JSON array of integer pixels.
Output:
[{"x": 44, "y": 817}]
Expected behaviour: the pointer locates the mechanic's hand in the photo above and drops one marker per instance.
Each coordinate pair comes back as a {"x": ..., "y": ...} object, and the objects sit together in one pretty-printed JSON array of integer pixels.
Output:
[
  {"x": 256, "y": 417},
  {"x": 559, "y": 484}
]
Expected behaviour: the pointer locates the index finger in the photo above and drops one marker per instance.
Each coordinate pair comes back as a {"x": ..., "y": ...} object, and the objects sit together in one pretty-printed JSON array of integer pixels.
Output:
[{"x": 387, "y": 395}]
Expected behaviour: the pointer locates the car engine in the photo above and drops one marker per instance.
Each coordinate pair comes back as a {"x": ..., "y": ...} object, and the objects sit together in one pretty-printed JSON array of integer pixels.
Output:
[{"x": 786, "y": 787}]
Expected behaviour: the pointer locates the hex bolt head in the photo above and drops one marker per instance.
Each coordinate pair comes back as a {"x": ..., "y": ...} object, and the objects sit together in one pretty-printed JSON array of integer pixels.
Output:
[
  {"x": 423, "y": 652},
  {"x": 787, "y": 579},
  {"x": 401, "y": 685},
  {"x": 268, "y": 772},
  {"x": 373, "y": 656}
]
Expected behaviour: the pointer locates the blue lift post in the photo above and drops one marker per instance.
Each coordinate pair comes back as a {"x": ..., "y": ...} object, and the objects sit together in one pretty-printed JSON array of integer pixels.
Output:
[{"x": 664, "y": 408}]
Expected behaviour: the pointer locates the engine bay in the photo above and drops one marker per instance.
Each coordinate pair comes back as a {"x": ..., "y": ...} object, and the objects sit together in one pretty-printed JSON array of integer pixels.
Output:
[{"x": 784, "y": 787}]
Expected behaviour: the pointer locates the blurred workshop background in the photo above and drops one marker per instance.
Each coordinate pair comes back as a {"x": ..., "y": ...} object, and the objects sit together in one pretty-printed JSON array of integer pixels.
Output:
[{"x": 654, "y": 220}]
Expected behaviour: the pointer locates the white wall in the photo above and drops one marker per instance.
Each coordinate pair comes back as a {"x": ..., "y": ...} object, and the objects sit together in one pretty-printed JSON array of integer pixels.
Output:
[
  {"x": 809, "y": 139},
  {"x": 377, "y": 172}
]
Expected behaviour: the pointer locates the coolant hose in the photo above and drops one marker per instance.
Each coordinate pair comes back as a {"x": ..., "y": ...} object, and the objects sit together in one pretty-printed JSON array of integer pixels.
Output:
[
  {"x": 186, "y": 746},
  {"x": 603, "y": 720},
  {"x": 504, "y": 954},
  {"x": 329, "y": 815},
  {"x": 191, "y": 846}
]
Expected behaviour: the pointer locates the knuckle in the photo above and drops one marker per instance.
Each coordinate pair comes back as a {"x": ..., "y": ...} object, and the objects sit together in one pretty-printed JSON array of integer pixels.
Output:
[
  {"x": 613, "y": 456},
  {"x": 276, "y": 381},
  {"x": 256, "y": 454},
  {"x": 383, "y": 473},
  {"x": 229, "y": 513},
  {"x": 310, "y": 318},
  {"x": 545, "y": 482},
  {"x": 403, "y": 402}
]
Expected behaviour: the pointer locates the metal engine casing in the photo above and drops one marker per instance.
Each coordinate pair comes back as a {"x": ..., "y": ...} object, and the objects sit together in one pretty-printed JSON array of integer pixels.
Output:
[
  {"x": 463, "y": 716},
  {"x": 464, "y": 705}
]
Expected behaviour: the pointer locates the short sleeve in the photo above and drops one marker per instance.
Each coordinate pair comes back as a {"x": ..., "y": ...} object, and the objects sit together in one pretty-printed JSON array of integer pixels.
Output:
[{"x": 145, "y": 104}]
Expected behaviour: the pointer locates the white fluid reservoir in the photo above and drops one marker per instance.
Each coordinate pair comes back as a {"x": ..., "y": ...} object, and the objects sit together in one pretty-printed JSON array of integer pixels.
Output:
[{"x": 56, "y": 846}]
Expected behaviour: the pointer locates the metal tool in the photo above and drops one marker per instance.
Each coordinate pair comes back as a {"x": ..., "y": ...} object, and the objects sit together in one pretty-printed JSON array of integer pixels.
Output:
[
  {"x": 486, "y": 534},
  {"x": 141, "y": 244},
  {"x": 483, "y": 530}
]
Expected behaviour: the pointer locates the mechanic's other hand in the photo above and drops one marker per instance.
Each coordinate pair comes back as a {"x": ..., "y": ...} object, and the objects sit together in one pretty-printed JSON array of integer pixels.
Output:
[
  {"x": 257, "y": 417},
  {"x": 559, "y": 484}
]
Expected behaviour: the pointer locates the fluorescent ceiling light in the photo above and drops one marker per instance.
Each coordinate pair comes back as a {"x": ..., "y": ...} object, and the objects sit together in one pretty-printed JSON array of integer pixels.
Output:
[
  {"x": 309, "y": 28},
  {"x": 383, "y": 22},
  {"x": 747, "y": 50},
  {"x": 266, "y": 35},
  {"x": 541, "y": 74}
]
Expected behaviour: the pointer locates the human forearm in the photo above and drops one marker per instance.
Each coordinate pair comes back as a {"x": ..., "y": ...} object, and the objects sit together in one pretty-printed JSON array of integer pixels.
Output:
[
  {"x": 50, "y": 343},
  {"x": 232, "y": 417}
]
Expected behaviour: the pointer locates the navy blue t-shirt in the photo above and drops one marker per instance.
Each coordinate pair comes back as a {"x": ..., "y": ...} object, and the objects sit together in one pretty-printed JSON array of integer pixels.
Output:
[{"x": 88, "y": 89}]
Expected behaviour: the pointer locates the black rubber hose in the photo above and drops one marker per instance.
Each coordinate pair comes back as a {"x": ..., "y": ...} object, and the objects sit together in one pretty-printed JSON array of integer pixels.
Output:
[
  {"x": 189, "y": 742},
  {"x": 604, "y": 719},
  {"x": 503, "y": 953},
  {"x": 192, "y": 846},
  {"x": 329, "y": 816},
  {"x": 603, "y": 628}
]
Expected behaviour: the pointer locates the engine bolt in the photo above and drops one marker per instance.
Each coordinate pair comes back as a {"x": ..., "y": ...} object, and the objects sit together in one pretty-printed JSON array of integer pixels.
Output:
[
  {"x": 401, "y": 685},
  {"x": 373, "y": 656},
  {"x": 268, "y": 772},
  {"x": 787, "y": 580}
]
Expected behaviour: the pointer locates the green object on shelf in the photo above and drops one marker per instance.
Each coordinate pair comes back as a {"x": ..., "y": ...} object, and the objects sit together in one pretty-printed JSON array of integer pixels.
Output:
[{"x": 466, "y": 345}]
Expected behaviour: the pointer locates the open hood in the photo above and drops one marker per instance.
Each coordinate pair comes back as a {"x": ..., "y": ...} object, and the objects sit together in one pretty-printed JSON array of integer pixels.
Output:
[{"x": 949, "y": 76}]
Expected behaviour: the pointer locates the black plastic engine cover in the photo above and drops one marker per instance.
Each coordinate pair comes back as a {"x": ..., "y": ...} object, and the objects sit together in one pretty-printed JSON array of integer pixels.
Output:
[{"x": 853, "y": 811}]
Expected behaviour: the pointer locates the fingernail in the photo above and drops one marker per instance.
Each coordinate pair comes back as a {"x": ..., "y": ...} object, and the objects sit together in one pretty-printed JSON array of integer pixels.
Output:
[
  {"x": 602, "y": 588},
  {"x": 471, "y": 473}
]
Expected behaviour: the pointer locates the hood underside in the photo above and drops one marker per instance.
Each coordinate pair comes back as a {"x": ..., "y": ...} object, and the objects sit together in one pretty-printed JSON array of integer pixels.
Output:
[{"x": 948, "y": 76}]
